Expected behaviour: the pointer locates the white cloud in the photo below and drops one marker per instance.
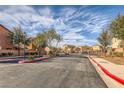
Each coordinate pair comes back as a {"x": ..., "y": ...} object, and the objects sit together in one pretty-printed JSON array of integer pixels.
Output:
[
  {"x": 68, "y": 12},
  {"x": 47, "y": 12},
  {"x": 72, "y": 36},
  {"x": 19, "y": 9},
  {"x": 26, "y": 16},
  {"x": 70, "y": 21},
  {"x": 78, "y": 43}
]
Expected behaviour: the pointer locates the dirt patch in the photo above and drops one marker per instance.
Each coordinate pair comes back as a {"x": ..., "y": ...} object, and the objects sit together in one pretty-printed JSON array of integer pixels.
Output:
[{"x": 116, "y": 60}]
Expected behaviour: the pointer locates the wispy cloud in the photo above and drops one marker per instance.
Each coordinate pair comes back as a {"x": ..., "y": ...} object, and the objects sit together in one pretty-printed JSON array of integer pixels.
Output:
[{"x": 73, "y": 23}]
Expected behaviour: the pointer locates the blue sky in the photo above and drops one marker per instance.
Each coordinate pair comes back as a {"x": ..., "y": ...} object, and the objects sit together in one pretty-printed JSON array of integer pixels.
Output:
[{"x": 78, "y": 25}]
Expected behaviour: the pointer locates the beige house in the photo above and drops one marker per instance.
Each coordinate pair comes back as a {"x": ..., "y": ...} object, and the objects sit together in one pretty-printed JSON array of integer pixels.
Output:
[
  {"x": 117, "y": 45},
  {"x": 68, "y": 48},
  {"x": 47, "y": 49},
  {"x": 96, "y": 48},
  {"x": 85, "y": 48},
  {"x": 77, "y": 49}
]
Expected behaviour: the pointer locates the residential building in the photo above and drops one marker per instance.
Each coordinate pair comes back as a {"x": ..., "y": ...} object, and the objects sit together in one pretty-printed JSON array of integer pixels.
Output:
[
  {"x": 84, "y": 48},
  {"x": 116, "y": 43},
  {"x": 30, "y": 46},
  {"x": 96, "y": 48},
  {"x": 47, "y": 49},
  {"x": 5, "y": 42},
  {"x": 68, "y": 48},
  {"x": 77, "y": 49}
]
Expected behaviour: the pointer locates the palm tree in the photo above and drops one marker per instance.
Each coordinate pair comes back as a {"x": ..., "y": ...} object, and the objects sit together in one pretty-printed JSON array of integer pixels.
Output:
[
  {"x": 104, "y": 40},
  {"x": 18, "y": 37}
]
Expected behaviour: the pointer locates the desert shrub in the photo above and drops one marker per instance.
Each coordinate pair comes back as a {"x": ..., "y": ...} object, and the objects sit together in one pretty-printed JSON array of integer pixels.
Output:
[
  {"x": 117, "y": 54},
  {"x": 27, "y": 53},
  {"x": 4, "y": 54},
  {"x": 33, "y": 53},
  {"x": 30, "y": 58},
  {"x": 10, "y": 53}
]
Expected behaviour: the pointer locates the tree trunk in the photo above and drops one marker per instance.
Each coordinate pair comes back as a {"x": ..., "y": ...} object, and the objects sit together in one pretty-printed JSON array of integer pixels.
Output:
[
  {"x": 111, "y": 54},
  {"x": 56, "y": 49},
  {"x": 123, "y": 51},
  {"x": 105, "y": 52},
  {"x": 18, "y": 50},
  {"x": 39, "y": 50},
  {"x": 24, "y": 50}
]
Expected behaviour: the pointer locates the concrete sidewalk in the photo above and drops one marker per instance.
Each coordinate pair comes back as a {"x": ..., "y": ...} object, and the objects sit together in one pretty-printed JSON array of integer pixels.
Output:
[{"x": 117, "y": 70}]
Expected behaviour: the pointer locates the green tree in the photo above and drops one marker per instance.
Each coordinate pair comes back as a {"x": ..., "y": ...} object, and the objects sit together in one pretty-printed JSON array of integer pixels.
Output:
[
  {"x": 58, "y": 39},
  {"x": 51, "y": 36},
  {"x": 39, "y": 42},
  {"x": 18, "y": 37},
  {"x": 117, "y": 28},
  {"x": 104, "y": 40},
  {"x": 46, "y": 38},
  {"x": 52, "y": 39}
]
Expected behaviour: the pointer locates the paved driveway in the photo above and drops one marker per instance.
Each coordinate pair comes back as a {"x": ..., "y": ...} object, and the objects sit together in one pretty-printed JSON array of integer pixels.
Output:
[{"x": 60, "y": 72}]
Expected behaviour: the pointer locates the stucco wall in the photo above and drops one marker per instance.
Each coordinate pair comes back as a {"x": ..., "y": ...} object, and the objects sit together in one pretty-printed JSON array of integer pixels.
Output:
[
  {"x": 4, "y": 40},
  {"x": 119, "y": 50}
]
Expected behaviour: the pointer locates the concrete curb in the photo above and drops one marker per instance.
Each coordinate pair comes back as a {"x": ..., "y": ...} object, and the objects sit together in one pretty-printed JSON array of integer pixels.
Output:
[
  {"x": 16, "y": 57},
  {"x": 32, "y": 61},
  {"x": 11, "y": 57},
  {"x": 110, "y": 79}
]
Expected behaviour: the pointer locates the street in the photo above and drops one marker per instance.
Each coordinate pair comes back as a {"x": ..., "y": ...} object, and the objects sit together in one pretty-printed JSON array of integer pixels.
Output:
[{"x": 60, "y": 72}]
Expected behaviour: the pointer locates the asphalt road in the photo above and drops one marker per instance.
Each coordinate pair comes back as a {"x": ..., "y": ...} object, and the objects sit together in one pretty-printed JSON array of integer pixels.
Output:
[{"x": 60, "y": 72}]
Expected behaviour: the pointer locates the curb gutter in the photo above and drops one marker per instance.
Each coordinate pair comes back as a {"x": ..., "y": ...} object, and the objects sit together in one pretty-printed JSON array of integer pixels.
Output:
[
  {"x": 31, "y": 61},
  {"x": 107, "y": 73}
]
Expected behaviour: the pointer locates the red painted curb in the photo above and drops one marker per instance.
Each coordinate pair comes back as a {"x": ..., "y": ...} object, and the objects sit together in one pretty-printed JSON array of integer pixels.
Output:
[
  {"x": 31, "y": 61},
  {"x": 119, "y": 80}
]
